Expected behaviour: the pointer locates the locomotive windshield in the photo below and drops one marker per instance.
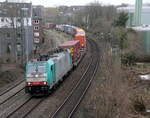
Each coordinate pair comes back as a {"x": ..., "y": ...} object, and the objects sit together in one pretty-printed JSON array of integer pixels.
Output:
[{"x": 36, "y": 69}]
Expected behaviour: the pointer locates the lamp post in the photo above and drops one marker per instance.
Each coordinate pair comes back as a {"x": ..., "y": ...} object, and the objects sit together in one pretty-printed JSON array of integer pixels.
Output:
[{"x": 2, "y": 42}]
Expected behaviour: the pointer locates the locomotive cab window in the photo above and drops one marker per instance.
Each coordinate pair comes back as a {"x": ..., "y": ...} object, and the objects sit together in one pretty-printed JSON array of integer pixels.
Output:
[{"x": 51, "y": 68}]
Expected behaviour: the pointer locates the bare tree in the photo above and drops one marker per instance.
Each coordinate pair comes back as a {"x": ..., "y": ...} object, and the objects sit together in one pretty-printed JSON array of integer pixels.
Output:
[{"x": 95, "y": 18}]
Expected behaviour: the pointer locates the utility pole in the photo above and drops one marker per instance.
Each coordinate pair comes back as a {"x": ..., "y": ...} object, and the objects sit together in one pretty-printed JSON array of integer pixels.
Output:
[
  {"x": 137, "y": 14},
  {"x": 25, "y": 12},
  {"x": 24, "y": 15},
  {"x": 1, "y": 44},
  {"x": 22, "y": 36}
]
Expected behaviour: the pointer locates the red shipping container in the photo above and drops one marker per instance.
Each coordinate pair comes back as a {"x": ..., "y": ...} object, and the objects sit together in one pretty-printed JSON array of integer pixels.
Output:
[{"x": 74, "y": 46}]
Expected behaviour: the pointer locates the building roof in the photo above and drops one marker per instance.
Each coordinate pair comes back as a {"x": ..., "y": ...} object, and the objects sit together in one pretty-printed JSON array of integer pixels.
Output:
[
  {"x": 38, "y": 12},
  {"x": 142, "y": 28},
  {"x": 131, "y": 9},
  {"x": 14, "y": 9}
]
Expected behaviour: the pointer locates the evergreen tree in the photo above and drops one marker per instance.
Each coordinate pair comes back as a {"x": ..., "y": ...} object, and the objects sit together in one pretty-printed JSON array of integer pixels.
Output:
[{"x": 122, "y": 20}]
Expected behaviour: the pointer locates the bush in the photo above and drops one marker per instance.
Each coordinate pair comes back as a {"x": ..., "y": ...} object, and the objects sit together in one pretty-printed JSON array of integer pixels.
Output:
[{"x": 128, "y": 59}]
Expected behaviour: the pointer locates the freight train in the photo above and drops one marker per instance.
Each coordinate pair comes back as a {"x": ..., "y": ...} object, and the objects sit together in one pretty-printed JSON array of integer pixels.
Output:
[{"x": 44, "y": 74}]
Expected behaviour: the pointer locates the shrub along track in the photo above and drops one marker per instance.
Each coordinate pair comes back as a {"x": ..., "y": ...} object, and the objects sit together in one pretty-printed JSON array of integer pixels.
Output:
[{"x": 15, "y": 103}]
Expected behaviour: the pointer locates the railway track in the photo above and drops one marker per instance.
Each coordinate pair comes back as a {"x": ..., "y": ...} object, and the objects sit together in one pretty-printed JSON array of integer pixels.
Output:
[
  {"x": 4, "y": 90},
  {"x": 11, "y": 92},
  {"x": 72, "y": 101},
  {"x": 18, "y": 105},
  {"x": 26, "y": 108}
]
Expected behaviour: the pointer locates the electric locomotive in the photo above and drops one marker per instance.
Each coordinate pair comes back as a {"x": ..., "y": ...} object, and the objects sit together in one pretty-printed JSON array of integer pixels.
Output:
[{"x": 42, "y": 76}]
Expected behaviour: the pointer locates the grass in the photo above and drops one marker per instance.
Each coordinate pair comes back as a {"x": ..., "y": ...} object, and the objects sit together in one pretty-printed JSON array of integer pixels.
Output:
[
  {"x": 147, "y": 91},
  {"x": 141, "y": 117},
  {"x": 143, "y": 65},
  {"x": 61, "y": 35}
]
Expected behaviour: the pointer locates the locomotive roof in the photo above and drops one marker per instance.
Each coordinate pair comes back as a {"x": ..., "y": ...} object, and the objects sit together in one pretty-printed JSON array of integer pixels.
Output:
[
  {"x": 43, "y": 60},
  {"x": 69, "y": 43}
]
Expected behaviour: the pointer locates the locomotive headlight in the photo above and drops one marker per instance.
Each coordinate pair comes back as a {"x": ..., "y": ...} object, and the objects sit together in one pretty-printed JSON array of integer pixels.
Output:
[
  {"x": 37, "y": 76},
  {"x": 29, "y": 83},
  {"x": 45, "y": 83}
]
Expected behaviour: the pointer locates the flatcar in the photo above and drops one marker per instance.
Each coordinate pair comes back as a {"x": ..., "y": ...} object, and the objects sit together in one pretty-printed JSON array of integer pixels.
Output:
[
  {"x": 51, "y": 25},
  {"x": 60, "y": 28}
]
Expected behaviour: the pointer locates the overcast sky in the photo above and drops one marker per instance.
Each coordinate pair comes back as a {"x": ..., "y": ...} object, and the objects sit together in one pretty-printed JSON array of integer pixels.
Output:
[
  {"x": 53, "y": 3},
  {"x": 81, "y": 2}
]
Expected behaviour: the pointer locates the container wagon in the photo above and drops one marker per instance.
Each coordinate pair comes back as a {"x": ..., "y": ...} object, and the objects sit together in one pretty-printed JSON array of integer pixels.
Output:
[{"x": 74, "y": 47}]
